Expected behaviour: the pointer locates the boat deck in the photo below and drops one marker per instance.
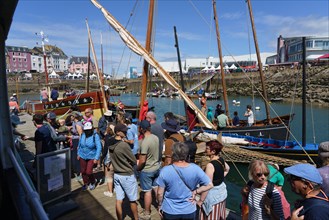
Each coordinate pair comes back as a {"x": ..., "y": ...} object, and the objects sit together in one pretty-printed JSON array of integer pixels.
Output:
[{"x": 94, "y": 204}]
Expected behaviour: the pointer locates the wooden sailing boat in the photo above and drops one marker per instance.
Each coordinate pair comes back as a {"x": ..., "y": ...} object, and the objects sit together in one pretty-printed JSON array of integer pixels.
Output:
[
  {"x": 290, "y": 149},
  {"x": 276, "y": 128}
]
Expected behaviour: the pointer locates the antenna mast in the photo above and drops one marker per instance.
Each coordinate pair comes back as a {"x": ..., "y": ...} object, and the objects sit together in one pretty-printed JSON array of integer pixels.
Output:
[{"x": 43, "y": 39}]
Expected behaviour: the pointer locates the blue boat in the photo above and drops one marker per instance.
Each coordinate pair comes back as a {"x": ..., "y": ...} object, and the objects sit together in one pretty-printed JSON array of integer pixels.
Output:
[{"x": 286, "y": 149}]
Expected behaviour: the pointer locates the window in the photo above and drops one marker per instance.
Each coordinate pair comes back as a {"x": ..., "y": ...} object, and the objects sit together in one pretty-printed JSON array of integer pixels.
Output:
[
  {"x": 318, "y": 43},
  {"x": 309, "y": 44},
  {"x": 326, "y": 45}
]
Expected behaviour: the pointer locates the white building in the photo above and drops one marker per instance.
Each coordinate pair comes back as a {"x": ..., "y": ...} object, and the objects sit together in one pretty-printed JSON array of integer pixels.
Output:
[
  {"x": 291, "y": 49},
  {"x": 213, "y": 62}
]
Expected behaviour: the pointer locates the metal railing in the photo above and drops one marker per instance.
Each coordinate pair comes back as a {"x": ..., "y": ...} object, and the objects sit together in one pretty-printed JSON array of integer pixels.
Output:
[{"x": 32, "y": 196}]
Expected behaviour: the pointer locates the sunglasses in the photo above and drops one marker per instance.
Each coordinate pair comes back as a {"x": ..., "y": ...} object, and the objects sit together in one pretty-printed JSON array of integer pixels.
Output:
[{"x": 261, "y": 174}]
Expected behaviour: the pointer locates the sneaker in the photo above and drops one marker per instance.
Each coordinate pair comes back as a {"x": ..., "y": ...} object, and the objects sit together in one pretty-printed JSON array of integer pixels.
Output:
[
  {"x": 144, "y": 216},
  {"x": 84, "y": 188},
  {"x": 78, "y": 178},
  {"x": 92, "y": 186},
  {"x": 108, "y": 194}
]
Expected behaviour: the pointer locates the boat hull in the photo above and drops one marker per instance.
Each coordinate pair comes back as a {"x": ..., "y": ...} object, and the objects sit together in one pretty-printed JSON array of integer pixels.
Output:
[
  {"x": 60, "y": 107},
  {"x": 83, "y": 101},
  {"x": 275, "y": 131},
  {"x": 294, "y": 153}
]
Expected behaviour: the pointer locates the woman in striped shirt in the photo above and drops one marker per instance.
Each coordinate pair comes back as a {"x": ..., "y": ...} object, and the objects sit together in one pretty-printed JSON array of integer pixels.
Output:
[{"x": 260, "y": 205}]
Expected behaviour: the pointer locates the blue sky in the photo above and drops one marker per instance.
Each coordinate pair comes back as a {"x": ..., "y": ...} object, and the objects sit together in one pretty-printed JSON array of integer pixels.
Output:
[{"x": 64, "y": 23}]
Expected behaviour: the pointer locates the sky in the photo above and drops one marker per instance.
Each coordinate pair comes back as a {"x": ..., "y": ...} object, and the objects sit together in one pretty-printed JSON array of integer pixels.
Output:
[{"x": 64, "y": 23}]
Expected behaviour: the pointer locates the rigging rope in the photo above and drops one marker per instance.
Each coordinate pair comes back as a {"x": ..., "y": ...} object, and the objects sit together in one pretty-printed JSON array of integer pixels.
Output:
[{"x": 253, "y": 84}]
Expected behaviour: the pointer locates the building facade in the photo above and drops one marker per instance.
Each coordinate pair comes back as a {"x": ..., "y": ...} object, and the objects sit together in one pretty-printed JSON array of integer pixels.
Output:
[
  {"x": 291, "y": 49},
  {"x": 19, "y": 59},
  {"x": 56, "y": 58},
  {"x": 80, "y": 65}
]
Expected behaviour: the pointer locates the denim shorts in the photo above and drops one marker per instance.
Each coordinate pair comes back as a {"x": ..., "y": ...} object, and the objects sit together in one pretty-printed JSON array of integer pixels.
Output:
[
  {"x": 126, "y": 185},
  {"x": 147, "y": 180}
]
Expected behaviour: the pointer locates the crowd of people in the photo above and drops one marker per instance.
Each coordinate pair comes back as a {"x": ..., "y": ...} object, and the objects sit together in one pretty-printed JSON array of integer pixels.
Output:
[{"x": 154, "y": 158}]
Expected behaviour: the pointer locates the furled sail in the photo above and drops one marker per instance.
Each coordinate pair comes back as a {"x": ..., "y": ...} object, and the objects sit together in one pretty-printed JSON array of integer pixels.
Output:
[{"x": 135, "y": 46}]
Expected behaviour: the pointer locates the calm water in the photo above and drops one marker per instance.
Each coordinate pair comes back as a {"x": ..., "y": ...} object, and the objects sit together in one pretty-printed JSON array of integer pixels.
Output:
[{"x": 317, "y": 129}]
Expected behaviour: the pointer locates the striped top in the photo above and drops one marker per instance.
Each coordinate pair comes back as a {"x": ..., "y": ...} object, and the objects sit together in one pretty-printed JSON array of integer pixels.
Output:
[{"x": 256, "y": 204}]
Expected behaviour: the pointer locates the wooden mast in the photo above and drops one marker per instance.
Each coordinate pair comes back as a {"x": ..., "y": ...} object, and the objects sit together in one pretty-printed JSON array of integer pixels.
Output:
[
  {"x": 260, "y": 66},
  {"x": 88, "y": 69},
  {"x": 99, "y": 76},
  {"x": 221, "y": 61},
  {"x": 146, "y": 65}
]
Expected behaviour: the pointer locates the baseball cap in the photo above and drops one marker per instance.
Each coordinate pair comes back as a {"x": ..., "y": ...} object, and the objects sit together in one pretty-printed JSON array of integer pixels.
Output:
[
  {"x": 145, "y": 124},
  {"x": 120, "y": 127},
  {"x": 305, "y": 171},
  {"x": 87, "y": 126},
  {"x": 51, "y": 115}
]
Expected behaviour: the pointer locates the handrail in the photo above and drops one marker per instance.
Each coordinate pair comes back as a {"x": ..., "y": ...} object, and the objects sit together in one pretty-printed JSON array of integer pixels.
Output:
[{"x": 32, "y": 196}]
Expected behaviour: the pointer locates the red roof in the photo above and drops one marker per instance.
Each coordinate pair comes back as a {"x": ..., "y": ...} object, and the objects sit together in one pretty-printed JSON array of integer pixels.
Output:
[{"x": 325, "y": 56}]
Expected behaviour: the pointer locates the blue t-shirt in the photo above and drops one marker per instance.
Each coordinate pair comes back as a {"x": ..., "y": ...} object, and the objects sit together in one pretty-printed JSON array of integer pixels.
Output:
[
  {"x": 132, "y": 134},
  {"x": 315, "y": 208},
  {"x": 177, "y": 195}
]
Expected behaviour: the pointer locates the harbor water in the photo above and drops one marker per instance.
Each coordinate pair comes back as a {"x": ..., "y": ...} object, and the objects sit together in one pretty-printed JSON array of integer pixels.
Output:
[{"x": 317, "y": 129}]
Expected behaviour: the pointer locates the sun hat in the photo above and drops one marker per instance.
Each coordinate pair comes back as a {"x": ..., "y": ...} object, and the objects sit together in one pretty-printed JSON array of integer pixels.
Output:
[
  {"x": 87, "y": 126},
  {"x": 14, "y": 94},
  {"x": 120, "y": 127},
  {"x": 324, "y": 149},
  {"x": 144, "y": 124},
  {"x": 108, "y": 113},
  {"x": 171, "y": 125},
  {"x": 51, "y": 115},
  {"x": 305, "y": 171},
  {"x": 12, "y": 98}
]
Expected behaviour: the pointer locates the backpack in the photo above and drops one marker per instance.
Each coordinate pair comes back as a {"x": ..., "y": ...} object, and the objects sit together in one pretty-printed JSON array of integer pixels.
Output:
[
  {"x": 269, "y": 191},
  {"x": 284, "y": 202},
  {"x": 192, "y": 149}
]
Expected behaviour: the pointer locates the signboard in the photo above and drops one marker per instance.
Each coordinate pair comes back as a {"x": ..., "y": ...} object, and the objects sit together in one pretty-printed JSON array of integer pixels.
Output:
[
  {"x": 54, "y": 175},
  {"x": 133, "y": 72}
]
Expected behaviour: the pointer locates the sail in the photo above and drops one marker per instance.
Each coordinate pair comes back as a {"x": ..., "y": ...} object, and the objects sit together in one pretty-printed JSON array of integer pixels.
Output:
[{"x": 136, "y": 47}]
